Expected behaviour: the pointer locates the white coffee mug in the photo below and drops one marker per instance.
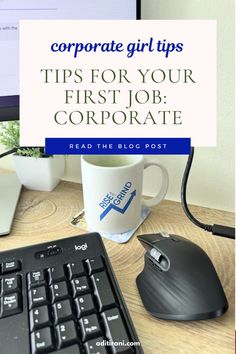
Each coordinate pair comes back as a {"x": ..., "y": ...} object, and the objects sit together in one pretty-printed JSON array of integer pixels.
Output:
[{"x": 112, "y": 191}]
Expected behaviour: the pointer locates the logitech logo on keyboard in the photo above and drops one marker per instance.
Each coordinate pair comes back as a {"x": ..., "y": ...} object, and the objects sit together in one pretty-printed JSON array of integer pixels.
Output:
[{"x": 81, "y": 247}]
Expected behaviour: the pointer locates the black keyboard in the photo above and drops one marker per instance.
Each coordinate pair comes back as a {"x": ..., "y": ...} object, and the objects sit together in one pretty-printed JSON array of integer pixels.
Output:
[{"x": 62, "y": 297}]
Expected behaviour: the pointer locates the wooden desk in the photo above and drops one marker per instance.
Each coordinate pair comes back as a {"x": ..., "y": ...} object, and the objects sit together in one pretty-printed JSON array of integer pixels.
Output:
[{"x": 43, "y": 216}]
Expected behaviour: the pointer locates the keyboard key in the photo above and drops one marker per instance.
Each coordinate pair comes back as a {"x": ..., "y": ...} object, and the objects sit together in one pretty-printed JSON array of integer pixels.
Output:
[
  {"x": 62, "y": 311},
  {"x": 80, "y": 286},
  {"x": 74, "y": 349},
  {"x": 59, "y": 291},
  {"x": 103, "y": 290},
  {"x": 39, "y": 317},
  {"x": 84, "y": 305},
  {"x": 91, "y": 346},
  {"x": 116, "y": 331},
  {"x": 66, "y": 334},
  {"x": 90, "y": 327},
  {"x": 11, "y": 266},
  {"x": 36, "y": 278},
  {"x": 11, "y": 284},
  {"x": 56, "y": 274},
  {"x": 10, "y": 304},
  {"x": 37, "y": 297},
  {"x": 94, "y": 265},
  {"x": 75, "y": 269},
  {"x": 41, "y": 341}
]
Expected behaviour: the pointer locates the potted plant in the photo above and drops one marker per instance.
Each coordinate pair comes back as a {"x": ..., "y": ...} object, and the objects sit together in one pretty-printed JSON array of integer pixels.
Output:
[{"x": 35, "y": 169}]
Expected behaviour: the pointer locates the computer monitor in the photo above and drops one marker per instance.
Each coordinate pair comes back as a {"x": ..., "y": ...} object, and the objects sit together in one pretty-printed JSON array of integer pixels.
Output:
[{"x": 11, "y": 11}]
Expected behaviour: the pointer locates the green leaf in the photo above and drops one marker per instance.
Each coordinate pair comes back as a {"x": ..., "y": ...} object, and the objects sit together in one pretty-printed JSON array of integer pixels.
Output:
[{"x": 10, "y": 137}]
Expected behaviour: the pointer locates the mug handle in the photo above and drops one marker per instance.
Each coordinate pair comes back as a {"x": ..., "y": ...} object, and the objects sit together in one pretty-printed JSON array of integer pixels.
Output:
[{"x": 165, "y": 182}]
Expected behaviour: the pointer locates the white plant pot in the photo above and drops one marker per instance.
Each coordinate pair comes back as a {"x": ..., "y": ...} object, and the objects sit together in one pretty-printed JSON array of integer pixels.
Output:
[{"x": 42, "y": 174}]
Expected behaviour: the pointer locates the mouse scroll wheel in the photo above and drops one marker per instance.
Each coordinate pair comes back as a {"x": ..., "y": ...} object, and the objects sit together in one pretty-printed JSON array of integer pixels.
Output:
[
  {"x": 161, "y": 260},
  {"x": 156, "y": 255}
]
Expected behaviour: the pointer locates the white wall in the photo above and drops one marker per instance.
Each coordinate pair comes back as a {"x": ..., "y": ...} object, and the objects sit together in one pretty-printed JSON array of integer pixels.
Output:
[
  {"x": 212, "y": 177},
  {"x": 211, "y": 180}
]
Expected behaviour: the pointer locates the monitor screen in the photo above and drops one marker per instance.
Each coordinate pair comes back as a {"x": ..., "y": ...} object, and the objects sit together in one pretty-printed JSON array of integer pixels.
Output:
[{"x": 11, "y": 11}]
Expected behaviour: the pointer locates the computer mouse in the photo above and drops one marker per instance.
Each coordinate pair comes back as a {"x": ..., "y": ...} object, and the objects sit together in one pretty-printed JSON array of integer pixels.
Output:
[{"x": 179, "y": 281}]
